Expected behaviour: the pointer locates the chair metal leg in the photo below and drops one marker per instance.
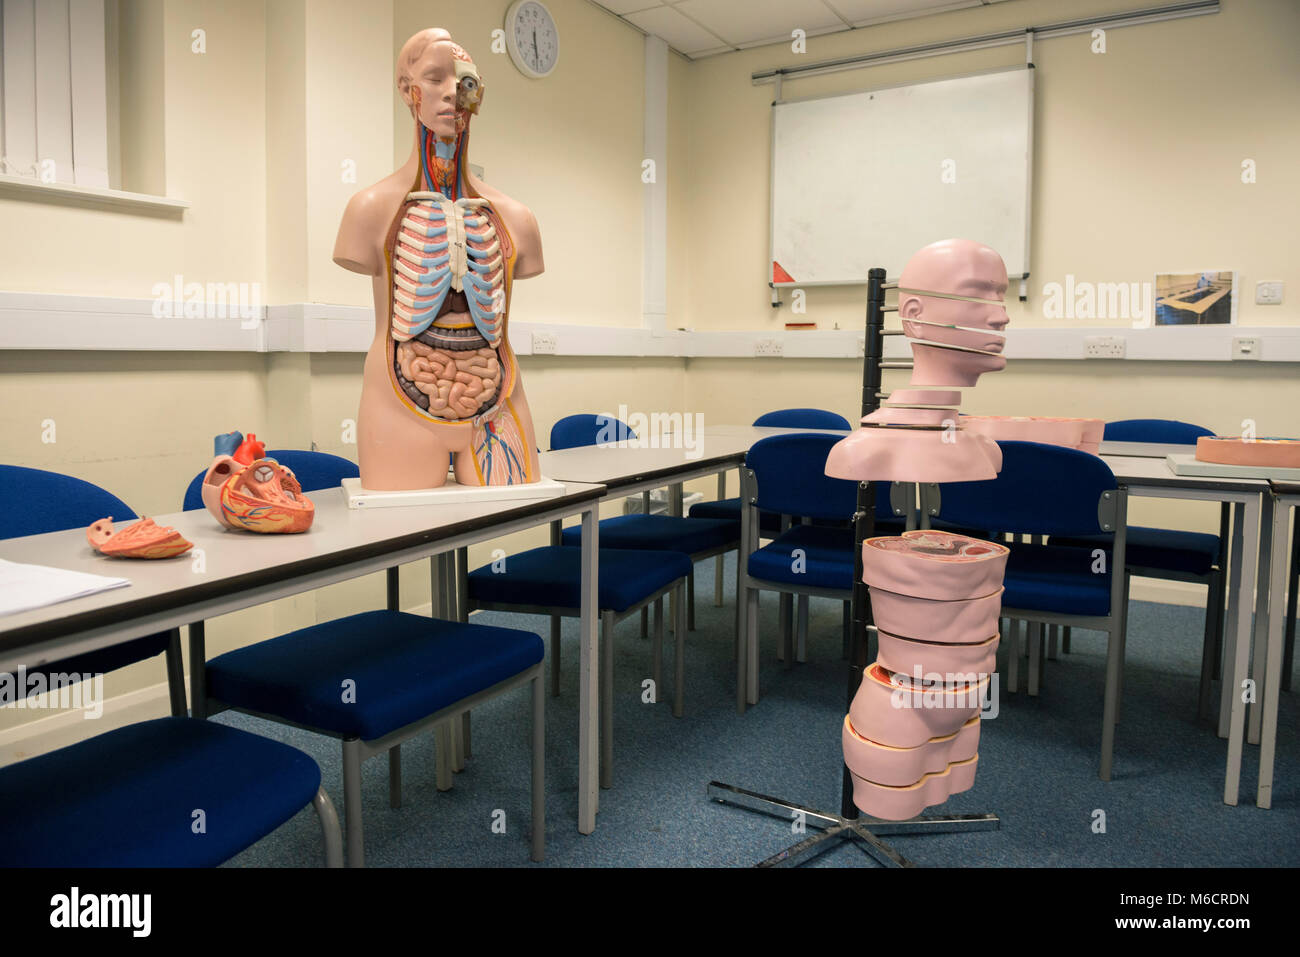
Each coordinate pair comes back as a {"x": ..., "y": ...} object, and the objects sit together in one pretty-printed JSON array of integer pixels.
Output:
[
  {"x": 176, "y": 674},
  {"x": 751, "y": 645},
  {"x": 457, "y": 745},
  {"x": 606, "y": 699},
  {"x": 331, "y": 833},
  {"x": 787, "y": 630},
  {"x": 801, "y": 630},
  {"x": 1213, "y": 630},
  {"x": 645, "y": 623},
  {"x": 847, "y": 628},
  {"x": 657, "y": 654},
  {"x": 198, "y": 671},
  {"x": 352, "y": 801},
  {"x": 719, "y": 561},
  {"x": 1108, "y": 717},
  {"x": 1053, "y": 637},
  {"x": 690, "y": 600},
  {"x": 464, "y": 726},
  {"x": 1123, "y": 647},
  {"x": 679, "y": 664},
  {"x": 442, "y": 755},
  {"x": 539, "y": 771},
  {"x": 1013, "y": 657},
  {"x": 1034, "y": 646},
  {"x": 785, "y": 613},
  {"x": 395, "y": 776},
  {"x": 555, "y": 656}
]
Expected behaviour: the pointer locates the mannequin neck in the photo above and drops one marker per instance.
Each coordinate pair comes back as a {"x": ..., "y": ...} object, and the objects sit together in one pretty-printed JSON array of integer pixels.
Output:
[{"x": 440, "y": 161}]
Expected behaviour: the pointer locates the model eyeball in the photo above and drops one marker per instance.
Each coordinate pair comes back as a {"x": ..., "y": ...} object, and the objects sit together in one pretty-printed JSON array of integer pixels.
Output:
[{"x": 468, "y": 85}]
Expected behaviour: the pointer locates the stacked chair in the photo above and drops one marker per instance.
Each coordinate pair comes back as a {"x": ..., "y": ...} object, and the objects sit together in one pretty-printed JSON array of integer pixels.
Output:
[
  {"x": 408, "y": 675},
  {"x": 128, "y": 798},
  {"x": 1058, "y": 493},
  {"x": 1170, "y": 554}
]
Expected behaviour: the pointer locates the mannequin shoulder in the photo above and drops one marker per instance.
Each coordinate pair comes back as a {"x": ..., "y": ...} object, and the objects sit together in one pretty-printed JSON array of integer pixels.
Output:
[
  {"x": 366, "y": 221},
  {"x": 521, "y": 222}
]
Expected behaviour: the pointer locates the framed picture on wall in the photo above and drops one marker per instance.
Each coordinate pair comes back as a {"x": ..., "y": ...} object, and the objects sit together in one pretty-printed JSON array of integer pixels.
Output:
[{"x": 1196, "y": 298}]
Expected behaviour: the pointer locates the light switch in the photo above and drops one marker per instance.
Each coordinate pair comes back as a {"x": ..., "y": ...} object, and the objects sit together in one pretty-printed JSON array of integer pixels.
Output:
[{"x": 1268, "y": 292}]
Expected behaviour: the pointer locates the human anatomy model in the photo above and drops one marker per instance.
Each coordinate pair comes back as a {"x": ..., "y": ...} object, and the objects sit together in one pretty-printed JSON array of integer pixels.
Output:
[
  {"x": 911, "y": 737},
  {"x": 441, "y": 385},
  {"x": 245, "y": 490}
]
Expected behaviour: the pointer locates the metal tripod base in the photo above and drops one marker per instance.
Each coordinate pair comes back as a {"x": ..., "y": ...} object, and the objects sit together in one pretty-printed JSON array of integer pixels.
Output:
[{"x": 835, "y": 829}]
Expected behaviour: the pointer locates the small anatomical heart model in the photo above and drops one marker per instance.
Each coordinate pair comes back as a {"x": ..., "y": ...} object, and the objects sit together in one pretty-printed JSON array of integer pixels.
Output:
[
  {"x": 144, "y": 539},
  {"x": 260, "y": 496}
]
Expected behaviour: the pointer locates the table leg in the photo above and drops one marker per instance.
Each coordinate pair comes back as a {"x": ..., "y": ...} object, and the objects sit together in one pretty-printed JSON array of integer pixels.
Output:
[
  {"x": 1236, "y": 582},
  {"x": 1273, "y": 669},
  {"x": 1260, "y": 638},
  {"x": 588, "y": 705},
  {"x": 1241, "y": 654}
]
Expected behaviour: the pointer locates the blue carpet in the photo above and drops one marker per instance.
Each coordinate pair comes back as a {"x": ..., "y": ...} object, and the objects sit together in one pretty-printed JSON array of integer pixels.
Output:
[{"x": 1037, "y": 771}]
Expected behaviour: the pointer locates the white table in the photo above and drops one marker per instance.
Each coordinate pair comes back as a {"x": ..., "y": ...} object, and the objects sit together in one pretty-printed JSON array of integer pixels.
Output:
[{"x": 240, "y": 570}]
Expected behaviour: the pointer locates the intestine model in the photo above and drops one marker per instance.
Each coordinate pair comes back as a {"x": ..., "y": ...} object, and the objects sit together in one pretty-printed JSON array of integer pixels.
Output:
[
  {"x": 911, "y": 737},
  {"x": 243, "y": 489},
  {"x": 441, "y": 384}
]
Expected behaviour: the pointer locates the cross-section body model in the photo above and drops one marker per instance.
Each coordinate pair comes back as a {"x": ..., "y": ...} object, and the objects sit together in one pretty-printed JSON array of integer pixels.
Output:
[{"x": 441, "y": 385}]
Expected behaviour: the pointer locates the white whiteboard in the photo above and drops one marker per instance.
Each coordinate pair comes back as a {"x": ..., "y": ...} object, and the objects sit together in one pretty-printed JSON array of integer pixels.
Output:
[{"x": 858, "y": 180}]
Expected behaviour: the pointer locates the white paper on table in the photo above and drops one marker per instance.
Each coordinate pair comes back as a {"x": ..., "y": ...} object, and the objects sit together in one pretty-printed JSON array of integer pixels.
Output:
[{"x": 24, "y": 587}]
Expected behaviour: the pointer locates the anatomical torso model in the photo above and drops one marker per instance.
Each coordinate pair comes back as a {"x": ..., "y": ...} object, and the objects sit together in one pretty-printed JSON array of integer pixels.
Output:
[
  {"x": 911, "y": 736},
  {"x": 441, "y": 386}
]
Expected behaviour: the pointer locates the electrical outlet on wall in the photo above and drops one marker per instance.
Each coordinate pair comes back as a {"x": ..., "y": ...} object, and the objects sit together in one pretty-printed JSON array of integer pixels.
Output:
[
  {"x": 1103, "y": 347},
  {"x": 1245, "y": 347},
  {"x": 544, "y": 344},
  {"x": 769, "y": 347}
]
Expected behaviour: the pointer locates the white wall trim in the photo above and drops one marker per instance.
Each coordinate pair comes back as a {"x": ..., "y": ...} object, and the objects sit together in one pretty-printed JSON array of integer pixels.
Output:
[{"x": 52, "y": 321}]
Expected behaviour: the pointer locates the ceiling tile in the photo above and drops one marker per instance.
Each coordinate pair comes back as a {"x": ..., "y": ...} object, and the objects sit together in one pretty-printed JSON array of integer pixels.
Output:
[
  {"x": 859, "y": 12},
  {"x": 682, "y": 34},
  {"x": 749, "y": 21},
  {"x": 622, "y": 7}
]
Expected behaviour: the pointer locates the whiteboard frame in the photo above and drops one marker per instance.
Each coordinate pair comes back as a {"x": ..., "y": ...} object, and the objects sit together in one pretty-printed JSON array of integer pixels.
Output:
[{"x": 771, "y": 172}]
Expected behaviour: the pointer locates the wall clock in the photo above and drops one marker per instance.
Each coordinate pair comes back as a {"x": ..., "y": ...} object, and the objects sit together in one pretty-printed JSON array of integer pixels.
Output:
[{"x": 532, "y": 38}]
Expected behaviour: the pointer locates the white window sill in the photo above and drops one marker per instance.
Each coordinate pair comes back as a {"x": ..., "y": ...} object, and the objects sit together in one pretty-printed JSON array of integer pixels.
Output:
[{"x": 88, "y": 195}]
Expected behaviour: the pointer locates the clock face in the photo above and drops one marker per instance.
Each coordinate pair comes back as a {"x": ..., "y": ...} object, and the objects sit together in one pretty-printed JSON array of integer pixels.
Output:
[{"x": 535, "y": 40}]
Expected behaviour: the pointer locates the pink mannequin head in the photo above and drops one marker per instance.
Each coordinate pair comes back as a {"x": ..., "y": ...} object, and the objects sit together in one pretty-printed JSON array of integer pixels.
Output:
[
  {"x": 954, "y": 267},
  {"x": 438, "y": 81}
]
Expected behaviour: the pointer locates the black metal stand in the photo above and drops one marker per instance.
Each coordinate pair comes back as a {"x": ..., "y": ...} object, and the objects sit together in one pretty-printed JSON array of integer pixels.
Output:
[{"x": 847, "y": 826}]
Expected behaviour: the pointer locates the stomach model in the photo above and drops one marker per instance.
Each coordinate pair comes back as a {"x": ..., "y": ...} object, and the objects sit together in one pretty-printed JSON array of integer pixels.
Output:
[
  {"x": 244, "y": 489},
  {"x": 450, "y": 362}
]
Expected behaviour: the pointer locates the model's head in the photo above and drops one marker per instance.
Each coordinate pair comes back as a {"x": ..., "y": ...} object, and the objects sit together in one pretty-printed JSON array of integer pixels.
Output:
[
  {"x": 439, "y": 82},
  {"x": 955, "y": 267}
]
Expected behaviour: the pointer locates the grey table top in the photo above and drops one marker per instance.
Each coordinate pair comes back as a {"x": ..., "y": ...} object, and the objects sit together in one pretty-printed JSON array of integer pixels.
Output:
[
  {"x": 237, "y": 563},
  {"x": 1155, "y": 472}
]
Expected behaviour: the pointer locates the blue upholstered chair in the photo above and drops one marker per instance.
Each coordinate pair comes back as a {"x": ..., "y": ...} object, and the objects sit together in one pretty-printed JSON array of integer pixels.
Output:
[
  {"x": 785, "y": 475},
  {"x": 700, "y": 538},
  {"x": 126, "y": 798},
  {"x": 1174, "y": 555},
  {"x": 376, "y": 679},
  {"x": 548, "y": 581},
  {"x": 1046, "y": 490},
  {"x": 729, "y": 508}
]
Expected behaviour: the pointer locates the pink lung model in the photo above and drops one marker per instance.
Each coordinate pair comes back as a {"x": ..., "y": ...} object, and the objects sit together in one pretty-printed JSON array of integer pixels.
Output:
[{"x": 911, "y": 737}]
